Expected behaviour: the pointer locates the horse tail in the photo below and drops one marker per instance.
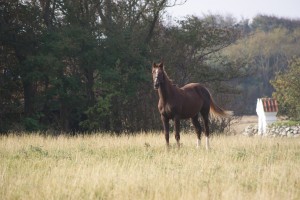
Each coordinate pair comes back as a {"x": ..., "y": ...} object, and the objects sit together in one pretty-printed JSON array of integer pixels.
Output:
[{"x": 217, "y": 111}]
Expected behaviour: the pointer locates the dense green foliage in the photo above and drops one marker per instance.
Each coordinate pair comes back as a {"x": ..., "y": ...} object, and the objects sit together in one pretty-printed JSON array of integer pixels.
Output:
[
  {"x": 287, "y": 86},
  {"x": 84, "y": 65}
]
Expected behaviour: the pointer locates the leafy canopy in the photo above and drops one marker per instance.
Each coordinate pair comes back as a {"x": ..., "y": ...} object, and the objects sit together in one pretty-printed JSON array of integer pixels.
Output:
[{"x": 287, "y": 86}]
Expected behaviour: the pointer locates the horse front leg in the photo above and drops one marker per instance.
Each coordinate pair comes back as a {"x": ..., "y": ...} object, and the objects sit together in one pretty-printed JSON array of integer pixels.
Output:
[
  {"x": 177, "y": 130},
  {"x": 166, "y": 126}
]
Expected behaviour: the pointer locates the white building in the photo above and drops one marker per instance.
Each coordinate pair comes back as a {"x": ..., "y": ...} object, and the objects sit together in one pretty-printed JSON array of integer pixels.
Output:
[{"x": 266, "y": 109}]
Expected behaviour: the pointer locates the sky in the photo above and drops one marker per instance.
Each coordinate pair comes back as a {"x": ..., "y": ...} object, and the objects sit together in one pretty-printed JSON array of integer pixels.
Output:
[{"x": 240, "y": 9}]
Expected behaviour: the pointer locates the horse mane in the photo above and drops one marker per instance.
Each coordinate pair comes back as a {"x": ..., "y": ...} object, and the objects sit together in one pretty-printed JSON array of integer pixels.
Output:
[{"x": 167, "y": 78}]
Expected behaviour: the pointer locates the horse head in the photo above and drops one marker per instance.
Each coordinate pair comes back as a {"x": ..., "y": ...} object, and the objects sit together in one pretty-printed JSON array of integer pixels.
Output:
[{"x": 158, "y": 75}]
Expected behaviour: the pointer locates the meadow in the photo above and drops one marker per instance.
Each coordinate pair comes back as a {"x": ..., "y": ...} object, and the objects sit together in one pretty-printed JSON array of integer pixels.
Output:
[{"x": 102, "y": 166}]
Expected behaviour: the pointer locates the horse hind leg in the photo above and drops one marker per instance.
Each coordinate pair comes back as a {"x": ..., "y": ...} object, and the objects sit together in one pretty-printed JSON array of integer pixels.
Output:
[
  {"x": 206, "y": 121},
  {"x": 198, "y": 129}
]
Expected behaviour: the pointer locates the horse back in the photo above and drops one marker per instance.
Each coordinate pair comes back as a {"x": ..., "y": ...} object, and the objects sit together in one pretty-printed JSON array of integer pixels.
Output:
[
  {"x": 195, "y": 90},
  {"x": 194, "y": 98}
]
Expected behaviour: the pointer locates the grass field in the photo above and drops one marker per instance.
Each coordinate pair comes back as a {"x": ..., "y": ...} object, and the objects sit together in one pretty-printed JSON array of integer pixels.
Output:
[{"x": 140, "y": 167}]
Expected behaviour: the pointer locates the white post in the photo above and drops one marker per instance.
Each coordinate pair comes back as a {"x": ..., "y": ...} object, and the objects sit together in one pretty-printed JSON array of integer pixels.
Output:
[{"x": 260, "y": 113}]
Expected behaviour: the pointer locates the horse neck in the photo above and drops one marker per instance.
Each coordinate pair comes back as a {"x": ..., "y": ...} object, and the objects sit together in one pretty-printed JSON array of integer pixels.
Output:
[{"x": 166, "y": 91}]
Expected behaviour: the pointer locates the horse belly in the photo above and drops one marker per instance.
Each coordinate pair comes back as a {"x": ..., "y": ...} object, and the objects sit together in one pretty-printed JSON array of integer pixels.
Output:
[
  {"x": 191, "y": 105},
  {"x": 190, "y": 110}
]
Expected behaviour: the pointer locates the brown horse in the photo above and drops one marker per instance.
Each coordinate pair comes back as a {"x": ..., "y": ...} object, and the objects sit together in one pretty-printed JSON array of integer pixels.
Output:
[{"x": 182, "y": 103}]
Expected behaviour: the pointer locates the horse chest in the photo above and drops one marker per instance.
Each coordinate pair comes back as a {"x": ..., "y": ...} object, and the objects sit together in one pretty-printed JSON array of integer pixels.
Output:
[{"x": 167, "y": 110}]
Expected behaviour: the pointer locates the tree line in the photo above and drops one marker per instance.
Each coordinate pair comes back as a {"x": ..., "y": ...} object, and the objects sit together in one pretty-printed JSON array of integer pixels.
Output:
[
  {"x": 269, "y": 46},
  {"x": 85, "y": 65}
]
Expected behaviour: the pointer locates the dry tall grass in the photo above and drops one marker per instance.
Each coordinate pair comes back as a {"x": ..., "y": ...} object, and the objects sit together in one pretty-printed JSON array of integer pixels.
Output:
[{"x": 139, "y": 167}]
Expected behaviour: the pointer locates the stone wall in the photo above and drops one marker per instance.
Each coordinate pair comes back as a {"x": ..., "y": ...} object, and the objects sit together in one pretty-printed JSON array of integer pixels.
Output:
[{"x": 273, "y": 131}]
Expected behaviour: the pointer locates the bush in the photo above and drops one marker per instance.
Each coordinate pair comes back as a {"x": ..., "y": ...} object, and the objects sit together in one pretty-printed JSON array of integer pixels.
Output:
[
  {"x": 287, "y": 92},
  {"x": 31, "y": 124}
]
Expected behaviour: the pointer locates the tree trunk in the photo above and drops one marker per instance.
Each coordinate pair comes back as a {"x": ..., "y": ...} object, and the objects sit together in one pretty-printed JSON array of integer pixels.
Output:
[{"x": 89, "y": 87}]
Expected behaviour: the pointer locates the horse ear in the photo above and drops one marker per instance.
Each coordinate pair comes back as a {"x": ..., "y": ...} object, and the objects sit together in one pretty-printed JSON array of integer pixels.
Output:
[
  {"x": 161, "y": 65},
  {"x": 154, "y": 65}
]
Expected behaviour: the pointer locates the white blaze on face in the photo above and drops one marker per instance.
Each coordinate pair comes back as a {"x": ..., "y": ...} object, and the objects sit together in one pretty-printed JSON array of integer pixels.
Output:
[{"x": 156, "y": 75}]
